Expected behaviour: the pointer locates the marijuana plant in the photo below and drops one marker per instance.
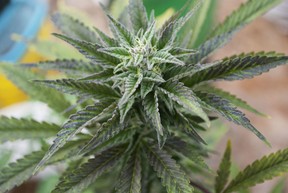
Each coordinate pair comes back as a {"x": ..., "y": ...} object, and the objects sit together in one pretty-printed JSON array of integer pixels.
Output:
[{"x": 142, "y": 97}]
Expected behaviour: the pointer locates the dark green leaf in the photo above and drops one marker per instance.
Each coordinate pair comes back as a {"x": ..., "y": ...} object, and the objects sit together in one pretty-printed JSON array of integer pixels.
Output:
[
  {"x": 172, "y": 177},
  {"x": 81, "y": 88},
  {"x": 107, "y": 131},
  {"x": 228, "y": 111},
  {"x": 75, "y": 124},
  {"x": 70, "y": 66},
  {"x": 130, "y": 178},
  {"x": 238, "y": 67},
  {"x": 232, "y": 99},
  {"x": 87, "y": 173},
  {"x": 90, "y": 51},
  {"x": 151, "y": 107},
  {"x": 185, "y": 97},
  {"x": 223, "y": 170}
]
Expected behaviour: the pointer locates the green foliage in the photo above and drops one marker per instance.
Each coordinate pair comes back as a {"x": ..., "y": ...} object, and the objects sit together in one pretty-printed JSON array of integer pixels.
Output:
[
  {"x": 224, "y": 170},
  {"x": 142, "y": 104},
  {"x": 18, "y": 172},
  {"x": 266, "y": 168},
  {"x": 86, "y": 174},
  {"x": 14, "y": 129},
  {"x": 22, "y": 78},
  {"x": 130, "y": 178},
  {"x": 246, "y": 13},
  {"x": 170, "y": 173}
]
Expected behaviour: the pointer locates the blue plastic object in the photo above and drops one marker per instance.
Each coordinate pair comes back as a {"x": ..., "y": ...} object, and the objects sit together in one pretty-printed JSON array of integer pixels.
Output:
[{"x": 23, "y": 17}]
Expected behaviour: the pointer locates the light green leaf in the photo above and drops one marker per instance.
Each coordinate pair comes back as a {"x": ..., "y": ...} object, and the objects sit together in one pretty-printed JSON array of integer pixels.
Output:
[
  {"x": 21, "y": 78},
  {"x": 279, "y": 187},
  {"x": 146, "y": 87},
  {"x": 18, "y": 172},
  {"x": 117, "y": 52},
  {"x": 125, "y": 109},
  {"x": 131, "y": 84},
  {"x": 246, "y": 13},
  {"x": 138, "y": 15},
  {"x": 201, "y": 24},
  {"x": 165, "y": 57},
  {"x": 13, "y": 129},
  {"x": 223, "y": 170},
  {"x": 151, "y": 107},
  {"x": 270, "y": 166},
  {"x": 152, "y": 76}
]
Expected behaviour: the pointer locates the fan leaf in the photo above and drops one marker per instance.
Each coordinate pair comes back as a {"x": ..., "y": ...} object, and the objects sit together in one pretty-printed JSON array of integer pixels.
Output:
[
  {"x": 151, "y": 107},
  {"x": 75, "y": 124},
  {"x": 18, "y": 172},
  {"x": 229, "y": 111},
  {"x": 232, "y": 99},
  {"x": 120, "y": 31},
  {"x": 138, "y": 15},
  {"x": 81, "y": 88},
  {"x": 224, "y": 170},
  {"x": 69, "y": 66},
  {"x": 270, "y": 166},
  {"x": 130, "y": 178},
  {"x": 246, "y": 13},
  {"x": 13, "y": 129},
  {"x": 90, "y": 51},
  {"x": 131, "y": 84},
  {"x": 239, "y": 67},
  {"x": 74, "y": 28},
  {"x": 185, "y": 97},
  {"x": 20, "y": 77},
  {"x": 88, "y": 172},
  {"x": 172, "y": 177}
]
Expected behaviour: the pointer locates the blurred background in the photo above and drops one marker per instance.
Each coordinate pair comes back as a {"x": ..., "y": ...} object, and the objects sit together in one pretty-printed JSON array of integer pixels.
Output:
[{"x": 25, "y": 37}]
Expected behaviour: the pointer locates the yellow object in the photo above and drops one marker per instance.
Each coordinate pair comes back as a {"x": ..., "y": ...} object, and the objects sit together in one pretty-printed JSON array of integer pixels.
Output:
[{"x": 9, "y": 93}]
